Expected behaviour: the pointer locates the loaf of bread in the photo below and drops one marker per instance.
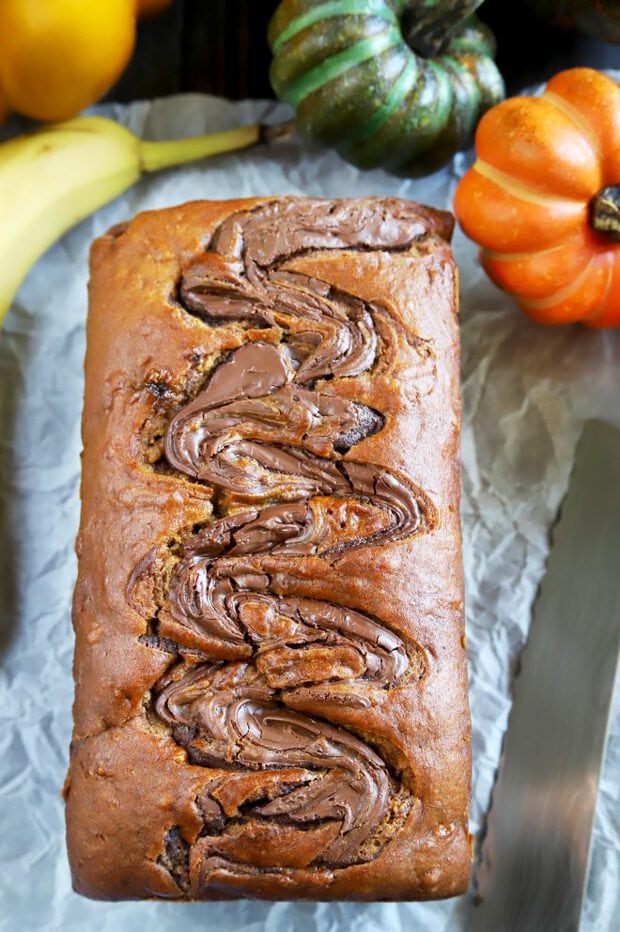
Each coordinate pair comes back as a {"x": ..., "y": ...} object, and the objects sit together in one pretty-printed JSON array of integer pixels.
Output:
[{"x": 271, "y": 687}]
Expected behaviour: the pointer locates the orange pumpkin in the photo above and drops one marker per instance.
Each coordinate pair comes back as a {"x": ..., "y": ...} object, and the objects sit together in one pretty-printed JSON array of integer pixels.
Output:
[{"x": 543, "y": 199}]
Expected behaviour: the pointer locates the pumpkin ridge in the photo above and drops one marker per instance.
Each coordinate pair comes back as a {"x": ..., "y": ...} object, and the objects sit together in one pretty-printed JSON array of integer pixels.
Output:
[
  {"x": 600, "y": 306},
  {"x": 329, "y": 9},
  {"x": 333, "y": 67},
  {"x": 536, "y": 275},
  {"x": 444, "y": 106},
  {"x": 429, "y": 122},
  {"x": 578, "y": 119},
  {"x": 401, "y": 87},
  {"x": 562, "y": 293},
  {"x": 518, "y": 189},
  {"x": 517, "y": 256},
  {"x": 456, "y": 64}
]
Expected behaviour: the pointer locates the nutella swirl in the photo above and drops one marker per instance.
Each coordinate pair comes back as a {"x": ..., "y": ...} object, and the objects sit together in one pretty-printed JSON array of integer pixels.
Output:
[
  {"x": 231, "y": 603},
  {"x": 274, "y": 442},
  {"x": 227, "y": 716}
]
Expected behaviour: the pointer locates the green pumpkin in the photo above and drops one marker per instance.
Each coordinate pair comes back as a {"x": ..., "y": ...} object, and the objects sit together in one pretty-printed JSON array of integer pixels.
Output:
[
  {"x": 399, "y": 84},
  {"x": 599, "y": 18}
]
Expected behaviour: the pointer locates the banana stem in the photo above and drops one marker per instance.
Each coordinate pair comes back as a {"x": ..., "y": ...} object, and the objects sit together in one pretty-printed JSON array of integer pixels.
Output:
[{"x": 157, "y": 155}]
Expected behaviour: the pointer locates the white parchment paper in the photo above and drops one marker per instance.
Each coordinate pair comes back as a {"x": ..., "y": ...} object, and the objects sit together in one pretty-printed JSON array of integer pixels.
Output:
[{"x": 527, "y": 391}]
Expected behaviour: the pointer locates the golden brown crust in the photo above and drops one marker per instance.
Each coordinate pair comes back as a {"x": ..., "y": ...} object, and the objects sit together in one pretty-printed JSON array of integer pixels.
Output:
[{"x": 130, "y": 782}]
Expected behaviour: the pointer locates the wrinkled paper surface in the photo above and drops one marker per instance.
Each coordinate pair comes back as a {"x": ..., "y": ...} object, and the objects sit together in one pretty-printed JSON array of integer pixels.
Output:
[{"x": 527, "y": 391}]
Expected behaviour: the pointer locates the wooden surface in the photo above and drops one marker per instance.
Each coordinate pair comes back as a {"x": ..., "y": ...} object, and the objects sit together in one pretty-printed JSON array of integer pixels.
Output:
[{"x": 220, "y": 47}]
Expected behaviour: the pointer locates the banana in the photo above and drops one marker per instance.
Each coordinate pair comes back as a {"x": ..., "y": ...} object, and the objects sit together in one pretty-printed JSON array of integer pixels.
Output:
[{"x": 53, "y": 178}]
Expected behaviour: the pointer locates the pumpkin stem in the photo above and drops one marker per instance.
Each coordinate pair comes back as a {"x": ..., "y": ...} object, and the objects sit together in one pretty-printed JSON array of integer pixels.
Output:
[
  {"x": 427, "y": 25},
  {"x": 605, "y": 212}
]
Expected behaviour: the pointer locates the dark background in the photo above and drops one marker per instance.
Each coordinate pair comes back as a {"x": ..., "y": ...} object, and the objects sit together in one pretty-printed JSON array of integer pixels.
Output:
[{"x": 220, "y": 47}]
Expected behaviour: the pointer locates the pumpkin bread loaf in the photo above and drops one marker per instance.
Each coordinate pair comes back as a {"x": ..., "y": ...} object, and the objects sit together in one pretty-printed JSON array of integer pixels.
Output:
[{"x": 271, "y": 688}]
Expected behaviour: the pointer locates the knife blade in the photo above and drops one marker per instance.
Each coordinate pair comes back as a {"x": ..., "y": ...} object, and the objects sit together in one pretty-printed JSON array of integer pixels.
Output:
[{"x": 536, "y": 852}]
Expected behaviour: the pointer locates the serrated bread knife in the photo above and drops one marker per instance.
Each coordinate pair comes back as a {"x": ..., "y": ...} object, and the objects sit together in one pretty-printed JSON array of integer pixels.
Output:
[{"x": 536, "y": 852}]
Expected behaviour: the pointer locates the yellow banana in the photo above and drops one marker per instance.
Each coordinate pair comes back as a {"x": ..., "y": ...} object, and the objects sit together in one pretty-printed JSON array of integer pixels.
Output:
[{"x": 53, "y": 178}]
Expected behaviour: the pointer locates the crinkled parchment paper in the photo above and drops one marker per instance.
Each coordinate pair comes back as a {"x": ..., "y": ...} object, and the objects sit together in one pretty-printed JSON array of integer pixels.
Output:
[{"x": 527, "y": 391}]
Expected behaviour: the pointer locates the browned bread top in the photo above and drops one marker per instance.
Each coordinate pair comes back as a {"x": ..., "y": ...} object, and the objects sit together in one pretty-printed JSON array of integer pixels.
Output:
[{"x": 271, "y": 694}]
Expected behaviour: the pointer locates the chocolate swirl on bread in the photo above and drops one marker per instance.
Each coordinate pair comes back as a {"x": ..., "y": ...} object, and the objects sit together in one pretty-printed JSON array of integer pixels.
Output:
[
  {"x": 276, "y": 443},
  {"x": 229, "y": 716}
]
